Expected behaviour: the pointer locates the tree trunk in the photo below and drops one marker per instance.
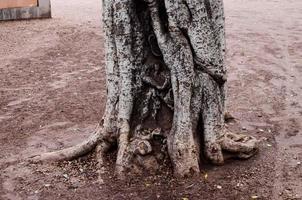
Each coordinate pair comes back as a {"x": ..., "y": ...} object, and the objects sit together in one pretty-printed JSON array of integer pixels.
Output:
[{"x": 165, "y": 87}]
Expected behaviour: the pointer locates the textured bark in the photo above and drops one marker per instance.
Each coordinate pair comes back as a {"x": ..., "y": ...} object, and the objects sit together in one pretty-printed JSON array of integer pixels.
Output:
[{"x": 165, "y": 82}]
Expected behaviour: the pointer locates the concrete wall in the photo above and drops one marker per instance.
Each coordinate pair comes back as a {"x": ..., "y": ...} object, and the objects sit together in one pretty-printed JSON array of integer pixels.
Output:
[{"x": 43, "y": 10}]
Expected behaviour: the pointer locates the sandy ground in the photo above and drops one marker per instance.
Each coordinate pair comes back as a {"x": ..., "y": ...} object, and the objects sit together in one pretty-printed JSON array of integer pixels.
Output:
[{"x": 52, "y": 93}]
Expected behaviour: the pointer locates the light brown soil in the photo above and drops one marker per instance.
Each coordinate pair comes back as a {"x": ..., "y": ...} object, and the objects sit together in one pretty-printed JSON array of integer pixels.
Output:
[{"x": 52, "y": 89}]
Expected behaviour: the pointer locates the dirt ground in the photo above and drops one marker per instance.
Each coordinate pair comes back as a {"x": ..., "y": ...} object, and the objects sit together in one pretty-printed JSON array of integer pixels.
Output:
[{"x": 52, "y": 94}]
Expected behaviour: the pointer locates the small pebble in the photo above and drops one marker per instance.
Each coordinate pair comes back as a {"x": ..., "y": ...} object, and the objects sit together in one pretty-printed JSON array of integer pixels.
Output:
[
  {"x": 239, "y": 185},
  {"x": 219, "y": 187},
  {"x": 101, "y": 181},
  {"x": 65, "y": 176}
]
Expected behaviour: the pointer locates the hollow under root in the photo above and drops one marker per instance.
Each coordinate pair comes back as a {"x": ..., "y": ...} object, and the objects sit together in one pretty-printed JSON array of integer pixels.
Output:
[{"x": 138, "y": 155}]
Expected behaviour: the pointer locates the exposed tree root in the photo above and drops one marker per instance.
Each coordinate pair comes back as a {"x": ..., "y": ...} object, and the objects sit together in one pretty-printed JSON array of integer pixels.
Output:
[
  {"x": 241, "y": 146},
  {"x": 139, "y": 155},
  {"x": 71, "y": 152}
]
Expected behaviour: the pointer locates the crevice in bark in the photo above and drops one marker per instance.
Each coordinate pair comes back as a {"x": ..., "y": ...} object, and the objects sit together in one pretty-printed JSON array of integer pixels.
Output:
[
  {"x": 165, "y": 88},
  {"x": 208, "y": 8}
]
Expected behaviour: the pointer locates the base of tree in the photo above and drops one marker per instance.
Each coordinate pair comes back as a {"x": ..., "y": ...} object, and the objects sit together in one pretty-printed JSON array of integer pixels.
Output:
[{"x": 147, "y": 153}]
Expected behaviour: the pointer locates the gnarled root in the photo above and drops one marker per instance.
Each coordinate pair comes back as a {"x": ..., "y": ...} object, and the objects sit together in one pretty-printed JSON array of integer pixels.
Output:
[
  {"x": 137, "y": 155},
  {"x": 71, "y": 152},
  {"x": 240, "y": 146},
  {"x": 231, "y": 145}
]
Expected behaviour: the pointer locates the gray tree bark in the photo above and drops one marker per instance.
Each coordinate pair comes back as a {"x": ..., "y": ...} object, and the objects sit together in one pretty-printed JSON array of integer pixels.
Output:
[{"x": 165, "y": 88}]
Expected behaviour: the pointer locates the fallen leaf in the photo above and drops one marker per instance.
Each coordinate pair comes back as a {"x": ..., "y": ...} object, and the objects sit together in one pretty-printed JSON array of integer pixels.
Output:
[{"x": 206, "y": 176}]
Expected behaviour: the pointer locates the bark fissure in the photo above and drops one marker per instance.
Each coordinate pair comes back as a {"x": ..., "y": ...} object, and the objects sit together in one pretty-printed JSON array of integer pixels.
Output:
[{"x": 165, "y": 77}]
